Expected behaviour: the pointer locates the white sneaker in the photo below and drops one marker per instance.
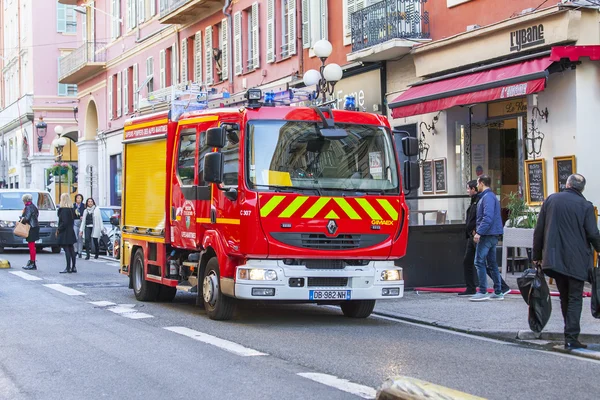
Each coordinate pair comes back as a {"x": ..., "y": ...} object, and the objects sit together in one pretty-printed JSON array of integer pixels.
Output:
[
  {"x": 497, "y": 296},
  {"x": 507, "y": 291},
  {"x": 480, "y": 297}
]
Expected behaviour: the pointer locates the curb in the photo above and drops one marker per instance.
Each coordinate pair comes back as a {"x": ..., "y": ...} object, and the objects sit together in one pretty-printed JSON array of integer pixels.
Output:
[{"x": 405, "y": 388}]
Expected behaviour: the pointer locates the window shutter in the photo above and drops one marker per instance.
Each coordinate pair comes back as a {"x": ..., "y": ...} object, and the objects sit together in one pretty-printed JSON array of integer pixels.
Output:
[
  {"x": 271, "y": 30},
  {"x": 198, "y": 57},
  {"x": 152, "y": 8},
  {"x": 92, "y": 28},
  {"x": 208, "y": 57},
  {"x": 61, "y": 18},
  {"x": 237, "y": 33},
  {"x": 184, "y": 61},
  {"x": 174, "y": 64},
  {"x": 110, "y": 97},
  {"x": 141, "y": 10},
  {"x": 119, "y": 94},
  {"x": 305, "y": 25},
  {"x": 323, "y": 21},
  {"x": 224, "y": 49},
  {"x": 351, "y": 6},
  {"x": 136, "y": 94},
  {"x": 125, "y": 91},
  {"x": 129, "y": 14},
  {"x": 84, "y": 27},
  {"x": 62, "y": 89},
  {"x": 163, "y": 72},
  {"x": 255, "y": 38},
  {"x": 291, "y": 27}
]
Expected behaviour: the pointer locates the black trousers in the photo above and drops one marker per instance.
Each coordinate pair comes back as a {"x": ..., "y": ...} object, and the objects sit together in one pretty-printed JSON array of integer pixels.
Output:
[
  {"x": 571, "y": 303},
  {"x": 69, "y": 255},
  {"x": 470, "y": 272},
  {"x": 88, "y": 239}
]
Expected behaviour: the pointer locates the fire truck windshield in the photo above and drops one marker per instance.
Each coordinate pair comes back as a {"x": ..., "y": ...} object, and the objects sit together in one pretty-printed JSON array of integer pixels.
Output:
[{"x": 292, "y": 154}]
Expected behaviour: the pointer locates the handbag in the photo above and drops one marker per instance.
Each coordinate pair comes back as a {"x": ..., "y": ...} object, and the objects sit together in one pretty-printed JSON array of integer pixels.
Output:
[{"x": 21, "y": 230}]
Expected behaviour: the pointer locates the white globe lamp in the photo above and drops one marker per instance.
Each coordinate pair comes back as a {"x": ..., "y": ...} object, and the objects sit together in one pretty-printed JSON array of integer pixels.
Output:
[
  {"x": 311, "y": 77},
  {"x": 58, "y": 129},
  {"x": 322, "y": 48},
  {"x": 332, "y": 73}
]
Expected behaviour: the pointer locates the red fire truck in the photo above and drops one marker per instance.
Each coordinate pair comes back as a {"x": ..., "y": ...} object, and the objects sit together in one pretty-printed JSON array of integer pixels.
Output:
[{"x": 264, "y": 202}]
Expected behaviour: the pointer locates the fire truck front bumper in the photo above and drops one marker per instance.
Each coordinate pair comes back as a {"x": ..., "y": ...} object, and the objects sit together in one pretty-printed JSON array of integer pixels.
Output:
[{"x": 274, "y": 280}]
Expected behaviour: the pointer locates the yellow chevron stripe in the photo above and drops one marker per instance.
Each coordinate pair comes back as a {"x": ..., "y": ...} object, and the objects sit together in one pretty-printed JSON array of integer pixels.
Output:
[
  {"x": 318, "y": 206},
  {"x": 270, "y": 206},
  {"x": 388, "y": 208},
  {"x": 332, "y": 215},
  {"x": 368, "y": 208},
  {"x": 293, "y": 207},
  {"x": 344, "y": 205}
]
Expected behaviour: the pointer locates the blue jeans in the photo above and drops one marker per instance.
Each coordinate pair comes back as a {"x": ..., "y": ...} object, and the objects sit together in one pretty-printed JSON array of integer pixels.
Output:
[{"x": 485, "y": 262}]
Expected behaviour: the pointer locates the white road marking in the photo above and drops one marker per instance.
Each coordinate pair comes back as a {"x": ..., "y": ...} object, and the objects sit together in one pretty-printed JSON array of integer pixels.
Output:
[
  {"x": 136, "y": 315},
  {"x": 102, "y": 303},
  {"x": 122, "y": 309},
  {"x": 65, "y": 290},
  {"x": 25, "y": 276},
  {"x": 344, "y": 385},
  {"x": 113, "y": 264},
  {"x": 215, "y": 341}
]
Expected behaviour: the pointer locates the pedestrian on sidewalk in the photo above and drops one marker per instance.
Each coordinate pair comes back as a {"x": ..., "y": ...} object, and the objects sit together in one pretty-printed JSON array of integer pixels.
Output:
[
  {"x": 565, "y": 229},
  {"x": 79, "y": 208},
  {"x": 488, "y": 227},
  {"x": 30, "y": 216},
  {"x": 66, "y": 234},
  {"x": 91, "y": 227},
  {"x": 471, "y": 280}
]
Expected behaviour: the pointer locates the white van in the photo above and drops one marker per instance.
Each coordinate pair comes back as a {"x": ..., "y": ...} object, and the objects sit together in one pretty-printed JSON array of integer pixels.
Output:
[{"x": 11, "y": 209}]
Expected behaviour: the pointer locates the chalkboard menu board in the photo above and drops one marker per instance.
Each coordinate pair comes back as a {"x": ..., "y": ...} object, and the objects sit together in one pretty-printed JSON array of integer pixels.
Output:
[
  {"x": 535, "y": 181},
  {"x": 427, "y": 175},
  {"x": 441, "y": 185},
  {"x": 563, "y": 168}
]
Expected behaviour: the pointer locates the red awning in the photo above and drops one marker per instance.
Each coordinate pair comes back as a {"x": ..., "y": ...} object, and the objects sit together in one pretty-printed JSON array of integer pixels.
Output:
[
  {"x": 574, "y": 53},
  {"x": 479, "y": 87}
]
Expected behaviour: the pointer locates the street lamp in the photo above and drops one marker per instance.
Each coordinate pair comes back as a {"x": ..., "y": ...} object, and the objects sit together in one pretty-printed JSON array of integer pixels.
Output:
[
  {"x": 328, "y": 75},
  {"x": 59, "y": 143},
  {"x": 41, "y": 128}
]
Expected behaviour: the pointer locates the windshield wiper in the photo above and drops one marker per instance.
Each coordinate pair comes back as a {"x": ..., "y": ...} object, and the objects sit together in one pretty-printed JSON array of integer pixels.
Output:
[{"x": 289, "y": 189}]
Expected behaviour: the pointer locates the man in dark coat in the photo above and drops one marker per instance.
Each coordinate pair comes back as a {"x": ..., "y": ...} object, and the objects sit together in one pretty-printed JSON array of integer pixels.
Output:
[
  {"x": 561, "y": 243},
  {"x": 471, "y": 280}
]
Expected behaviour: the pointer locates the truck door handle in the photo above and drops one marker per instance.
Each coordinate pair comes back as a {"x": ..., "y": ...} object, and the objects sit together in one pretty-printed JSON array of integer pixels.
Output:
[{"x": 213, "y": 215}]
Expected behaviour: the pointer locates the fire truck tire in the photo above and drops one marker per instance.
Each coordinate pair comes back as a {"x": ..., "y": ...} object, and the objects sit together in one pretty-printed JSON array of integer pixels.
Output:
[
  {"x": 217, "y": 305},
  {"x": 143, "y": 290},
  {"x": 166, "y": 293},
  {"x": 358, "y": 308}
]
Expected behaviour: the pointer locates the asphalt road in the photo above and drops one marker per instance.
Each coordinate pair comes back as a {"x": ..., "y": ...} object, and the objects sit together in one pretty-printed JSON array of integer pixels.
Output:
[{"x": 86, "y": 337}]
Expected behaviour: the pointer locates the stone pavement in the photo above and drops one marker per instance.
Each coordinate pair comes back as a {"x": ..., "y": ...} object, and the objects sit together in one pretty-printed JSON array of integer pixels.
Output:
[{"x": 505, "y": 319}]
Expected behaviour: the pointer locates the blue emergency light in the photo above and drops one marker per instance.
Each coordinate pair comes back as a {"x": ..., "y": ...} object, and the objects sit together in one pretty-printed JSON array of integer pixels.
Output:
[{"x": 350, "y": 103}]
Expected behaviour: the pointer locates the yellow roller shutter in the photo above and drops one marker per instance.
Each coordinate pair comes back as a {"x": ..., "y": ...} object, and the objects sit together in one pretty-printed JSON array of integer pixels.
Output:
[{"x": 145, "y": 184}]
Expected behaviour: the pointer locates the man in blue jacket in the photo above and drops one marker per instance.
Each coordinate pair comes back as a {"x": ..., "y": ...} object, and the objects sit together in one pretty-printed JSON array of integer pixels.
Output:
[{"x": 487, "y": 230}]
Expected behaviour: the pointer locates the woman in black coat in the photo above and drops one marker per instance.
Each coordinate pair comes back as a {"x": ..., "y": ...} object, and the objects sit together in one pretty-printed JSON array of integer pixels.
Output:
[
  {"x": 65, "y": 233},
  {"x": 30, "y": 217}
]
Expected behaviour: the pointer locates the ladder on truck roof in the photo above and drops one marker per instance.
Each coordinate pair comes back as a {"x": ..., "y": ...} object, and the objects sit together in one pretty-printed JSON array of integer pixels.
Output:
[{"x": 180, "y": 98}]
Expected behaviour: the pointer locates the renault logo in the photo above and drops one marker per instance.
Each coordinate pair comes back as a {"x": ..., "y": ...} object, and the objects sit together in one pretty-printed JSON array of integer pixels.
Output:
[{"x": 331, "y": 227}]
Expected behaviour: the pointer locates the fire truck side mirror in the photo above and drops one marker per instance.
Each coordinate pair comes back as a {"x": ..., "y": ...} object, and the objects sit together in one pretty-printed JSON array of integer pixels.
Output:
[
  {"x": 410, "y": 146},
  {"x": 412, "y": 178},
  {"x": 215, "y": 137},
  {"x": 213, "y": 168}
]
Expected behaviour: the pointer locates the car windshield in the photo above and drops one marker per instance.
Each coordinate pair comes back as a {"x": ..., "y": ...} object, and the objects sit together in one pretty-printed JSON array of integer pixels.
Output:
[
  {"x": 107, "y": 213},
  {"x": 13, "y": 200},
  {"x": 293, "y": 155}
]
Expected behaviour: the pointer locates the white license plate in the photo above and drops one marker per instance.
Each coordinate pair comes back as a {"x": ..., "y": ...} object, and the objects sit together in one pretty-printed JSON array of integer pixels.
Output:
[
  {"x": 37, "y": 241},
  {"x": 329, "y": 294}
]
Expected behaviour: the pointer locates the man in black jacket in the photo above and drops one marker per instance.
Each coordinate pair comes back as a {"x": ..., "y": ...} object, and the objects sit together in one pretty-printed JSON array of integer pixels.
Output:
[
  {"x": 561, "y": 244},
  {"x": 471, "y": 280}
]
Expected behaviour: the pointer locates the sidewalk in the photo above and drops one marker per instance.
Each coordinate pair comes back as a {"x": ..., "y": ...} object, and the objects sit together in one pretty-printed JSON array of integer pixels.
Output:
[{"x": 505, "y": 319}]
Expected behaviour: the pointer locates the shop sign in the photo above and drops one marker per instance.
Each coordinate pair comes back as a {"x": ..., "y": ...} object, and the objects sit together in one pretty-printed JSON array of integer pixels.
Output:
[
  {"x": 366, "y": 89},
  {"x": 527, "y": 37},
  {"x": 508, "y": 107},
  {"x": 144, "y": 130}
]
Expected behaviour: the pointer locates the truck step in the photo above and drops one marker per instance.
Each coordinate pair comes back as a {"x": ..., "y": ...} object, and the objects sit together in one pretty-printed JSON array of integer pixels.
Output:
[{"x": 186, "y": 287}]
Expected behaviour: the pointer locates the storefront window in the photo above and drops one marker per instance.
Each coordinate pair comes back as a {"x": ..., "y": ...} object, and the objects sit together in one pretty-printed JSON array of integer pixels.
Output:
[{"x": 116, "y": 173}]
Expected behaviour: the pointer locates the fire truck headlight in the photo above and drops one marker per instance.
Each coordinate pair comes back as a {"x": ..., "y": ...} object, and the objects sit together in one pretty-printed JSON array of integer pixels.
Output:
[
  {"x": 391, "y": 275},
  {"x": 257, "y": 274}
]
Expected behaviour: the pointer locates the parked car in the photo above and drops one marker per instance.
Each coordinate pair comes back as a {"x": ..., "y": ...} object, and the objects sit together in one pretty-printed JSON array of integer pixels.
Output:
[{"x": 11, "y": 209}]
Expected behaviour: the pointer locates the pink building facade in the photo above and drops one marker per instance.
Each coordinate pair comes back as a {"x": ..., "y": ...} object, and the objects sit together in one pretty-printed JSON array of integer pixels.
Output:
[{"x": 35, "y": 34}]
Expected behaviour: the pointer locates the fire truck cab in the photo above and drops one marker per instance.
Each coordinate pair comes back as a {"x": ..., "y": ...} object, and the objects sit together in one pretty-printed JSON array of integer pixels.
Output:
[{"x": 264, "y": 202}]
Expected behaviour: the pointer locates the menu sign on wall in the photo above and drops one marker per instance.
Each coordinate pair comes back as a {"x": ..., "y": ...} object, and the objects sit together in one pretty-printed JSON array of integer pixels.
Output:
[
  {"x": 563, "y": 168},
  {"x": 535, "y": 181},
  {"x": 427, "y": 176},
  {"x": 439, "y": 165}
]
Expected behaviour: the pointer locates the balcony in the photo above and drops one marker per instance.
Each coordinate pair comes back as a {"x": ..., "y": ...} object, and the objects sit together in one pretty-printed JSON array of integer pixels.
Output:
[
  {"x": 83, "y": 63},
  {"x": 186, "y": 11},
  {"x": 69, "y": 2},
  {"x": 388, "y": 29}
]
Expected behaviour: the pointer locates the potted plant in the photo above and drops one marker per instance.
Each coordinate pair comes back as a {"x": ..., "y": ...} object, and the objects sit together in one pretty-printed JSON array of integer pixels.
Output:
[
  {"x": 60, "y": 168},
  {"x": 518, "y": 230}
]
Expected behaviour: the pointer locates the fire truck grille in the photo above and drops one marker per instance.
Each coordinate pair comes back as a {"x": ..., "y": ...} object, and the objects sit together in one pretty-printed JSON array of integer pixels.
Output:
[
  {"x": 327, "y": 282},
  {"x": 319, "y": 241}
]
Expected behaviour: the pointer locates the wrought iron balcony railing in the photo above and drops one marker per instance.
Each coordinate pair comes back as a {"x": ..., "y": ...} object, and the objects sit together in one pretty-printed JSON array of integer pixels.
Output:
[
  {"x": 166, "y": 7},
  {"x": 389, "y": 19},
  {"x": 91, "y": 54}
]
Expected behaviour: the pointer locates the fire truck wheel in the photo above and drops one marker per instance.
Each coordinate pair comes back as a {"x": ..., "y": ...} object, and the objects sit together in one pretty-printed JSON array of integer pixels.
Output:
[
  {"x": 166, "y": 293},
  {"x": 218, "y": 306},
  {"x": 358, "y": 308},
  {"x": 143, "y": 290}
]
